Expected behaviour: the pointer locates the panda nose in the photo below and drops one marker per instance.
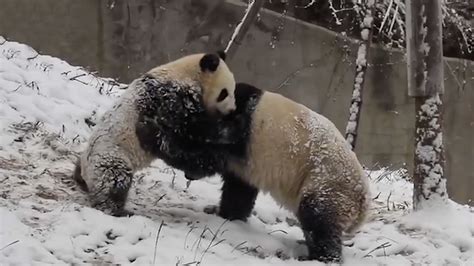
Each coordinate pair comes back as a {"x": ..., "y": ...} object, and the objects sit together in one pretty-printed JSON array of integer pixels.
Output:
[{"x": 231, "y": 109}]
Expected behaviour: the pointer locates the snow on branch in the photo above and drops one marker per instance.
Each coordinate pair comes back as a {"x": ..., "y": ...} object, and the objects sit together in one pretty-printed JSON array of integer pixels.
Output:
[
  {"x": 361, "y": 66},
  {"x": 247, "y": 20}
]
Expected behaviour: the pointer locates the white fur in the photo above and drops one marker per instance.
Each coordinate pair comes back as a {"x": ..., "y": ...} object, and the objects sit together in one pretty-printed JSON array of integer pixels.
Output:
[
  {"x": 114, "y": 136},
  {"x": 294, "y": 151}
]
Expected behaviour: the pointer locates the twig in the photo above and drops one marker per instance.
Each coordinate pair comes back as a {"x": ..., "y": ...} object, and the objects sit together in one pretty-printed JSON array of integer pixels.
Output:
[
  {"x": 160, "y": 198},
  {"x": 384, "y": 245},
  {"x": 77, "y": 76},
  {"x": 198, "y": 241},
  {"x": 178, "y": 261},
  {"x": 218, "y": 242},
  {"x": 387, "y": 15},
  {"x": 393, "y": 21},
  {"x": 156, "y": 241},
  {"x": 376, "y": 197},
  {"x": 190, "y": 230},
  {"x": 190, "y": 263},
  {"x": 32, "y": 57},
  {"x": 388, "y": 201},
  {"x": 313, "y": 64},
  {"x": 212, "y": 241},
  {"x": 17, "y": 88},
  {"x": 236, "y": 247},
  {"x": 75, "y": 138},
  {"x": 12, "y": 243},
  {"x": 279, "y": 230},
  {"x": 461, "y": 87},
  {"x": 174, "y": 177}
]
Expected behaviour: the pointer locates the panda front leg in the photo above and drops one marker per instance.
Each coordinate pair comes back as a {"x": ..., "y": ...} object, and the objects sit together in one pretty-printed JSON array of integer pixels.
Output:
[
  {"x": 238, "y": 198},
  {"x": 109, "y": 192},
  {"x": 322, "y": 233}
]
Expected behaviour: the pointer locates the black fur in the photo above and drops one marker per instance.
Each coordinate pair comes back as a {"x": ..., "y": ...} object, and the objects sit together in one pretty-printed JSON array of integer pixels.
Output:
[
  {"x": 209, "y": 62},
  {"x": 174, "y": 126},
  {"x": 238, "y": 198},
  {"x": 226, "y": 137},
  {"x": 239, "y": 123},
  {"x": 323, "y": 236},
  {"x": 221, "y": 138},
  {"x": 111, "y": 195},
  {"x": 222, "y": 95}
]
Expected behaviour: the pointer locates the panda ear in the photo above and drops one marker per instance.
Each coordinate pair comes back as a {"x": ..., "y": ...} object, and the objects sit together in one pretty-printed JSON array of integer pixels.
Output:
[
  {"x": 221, "y": 54},
  {"x": 209, "y": 62}
]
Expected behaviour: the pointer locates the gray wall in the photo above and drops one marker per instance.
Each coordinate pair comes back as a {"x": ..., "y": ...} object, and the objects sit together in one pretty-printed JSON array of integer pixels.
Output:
[{"x": 300, "y": 60}]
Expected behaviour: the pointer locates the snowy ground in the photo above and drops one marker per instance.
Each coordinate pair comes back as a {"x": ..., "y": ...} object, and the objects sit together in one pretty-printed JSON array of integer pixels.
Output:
[{"x": 46, "y": 110}]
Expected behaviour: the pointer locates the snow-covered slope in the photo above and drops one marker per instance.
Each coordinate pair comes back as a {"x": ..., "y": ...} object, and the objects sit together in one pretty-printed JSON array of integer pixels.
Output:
[{"x": 47, "y": 108}]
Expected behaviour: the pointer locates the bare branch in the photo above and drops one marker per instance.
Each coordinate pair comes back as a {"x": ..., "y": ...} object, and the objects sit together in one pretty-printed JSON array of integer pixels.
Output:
[{"x": 239, "y": 33}]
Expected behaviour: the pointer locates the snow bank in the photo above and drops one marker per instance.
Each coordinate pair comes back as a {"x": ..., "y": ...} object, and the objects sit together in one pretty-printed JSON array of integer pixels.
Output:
[{"x": 46, "y": 110}]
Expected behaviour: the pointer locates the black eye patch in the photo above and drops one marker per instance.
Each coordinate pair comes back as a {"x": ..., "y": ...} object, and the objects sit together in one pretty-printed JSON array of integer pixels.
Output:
[{"x": 222, "y": 95}]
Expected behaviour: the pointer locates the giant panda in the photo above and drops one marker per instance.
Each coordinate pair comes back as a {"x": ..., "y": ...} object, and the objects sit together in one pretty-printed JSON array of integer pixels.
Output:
[
  {"x": 301, "y": 159},
  {"x": 165, "y": 102}
]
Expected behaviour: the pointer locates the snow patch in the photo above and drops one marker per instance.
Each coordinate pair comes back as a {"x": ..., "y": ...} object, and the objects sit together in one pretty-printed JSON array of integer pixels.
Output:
[{"x": 45, "y": 219}]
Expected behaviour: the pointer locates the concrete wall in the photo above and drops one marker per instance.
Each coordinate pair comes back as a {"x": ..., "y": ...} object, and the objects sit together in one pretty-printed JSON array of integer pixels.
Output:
[
  {"x": 302, "y": 61},
  {"x": 68, "y": 29}
]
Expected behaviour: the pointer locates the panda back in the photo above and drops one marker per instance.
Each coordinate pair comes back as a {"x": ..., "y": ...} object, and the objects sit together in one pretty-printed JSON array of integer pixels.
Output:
[
  {"x": 277, "y": 158},
  {"x": 292, "y": 148}
]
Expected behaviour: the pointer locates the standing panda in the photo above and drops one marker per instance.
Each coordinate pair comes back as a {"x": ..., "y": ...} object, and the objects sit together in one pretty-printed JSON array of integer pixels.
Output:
[
  {"x": 302, "y": 160},
  {"x": 170, "y": 98}
]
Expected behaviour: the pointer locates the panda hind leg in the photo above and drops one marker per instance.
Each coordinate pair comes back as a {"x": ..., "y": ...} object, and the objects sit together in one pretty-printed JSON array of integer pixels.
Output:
[
  {"x": 110, "y": 193},
  {"x": 238, "y": 198},
  {"x": 323, "y": 236}
]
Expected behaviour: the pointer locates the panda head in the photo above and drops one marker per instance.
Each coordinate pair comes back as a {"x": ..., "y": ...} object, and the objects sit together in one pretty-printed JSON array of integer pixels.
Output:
[
  {"x": 217, "y": 83},
  {"x": 208, "y": 75}
]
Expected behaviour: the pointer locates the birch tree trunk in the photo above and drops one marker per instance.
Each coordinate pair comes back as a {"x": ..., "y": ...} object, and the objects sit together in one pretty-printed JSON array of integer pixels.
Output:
[
  {"x": 361, "y": 67},
  {"x": 425, "y": 83}
]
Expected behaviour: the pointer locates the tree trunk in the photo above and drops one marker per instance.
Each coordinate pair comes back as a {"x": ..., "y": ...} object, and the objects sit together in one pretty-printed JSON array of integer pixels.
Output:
[
  {"x": 428, "y": 176},
  {"x": 361, "y": 67},
  {"x": 425, "y": 83}
]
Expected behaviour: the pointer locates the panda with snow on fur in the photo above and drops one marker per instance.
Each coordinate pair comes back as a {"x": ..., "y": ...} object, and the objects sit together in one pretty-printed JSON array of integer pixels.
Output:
[
  {"x": 302, "y": 160},
  {"x": 176, "y": 98}
]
